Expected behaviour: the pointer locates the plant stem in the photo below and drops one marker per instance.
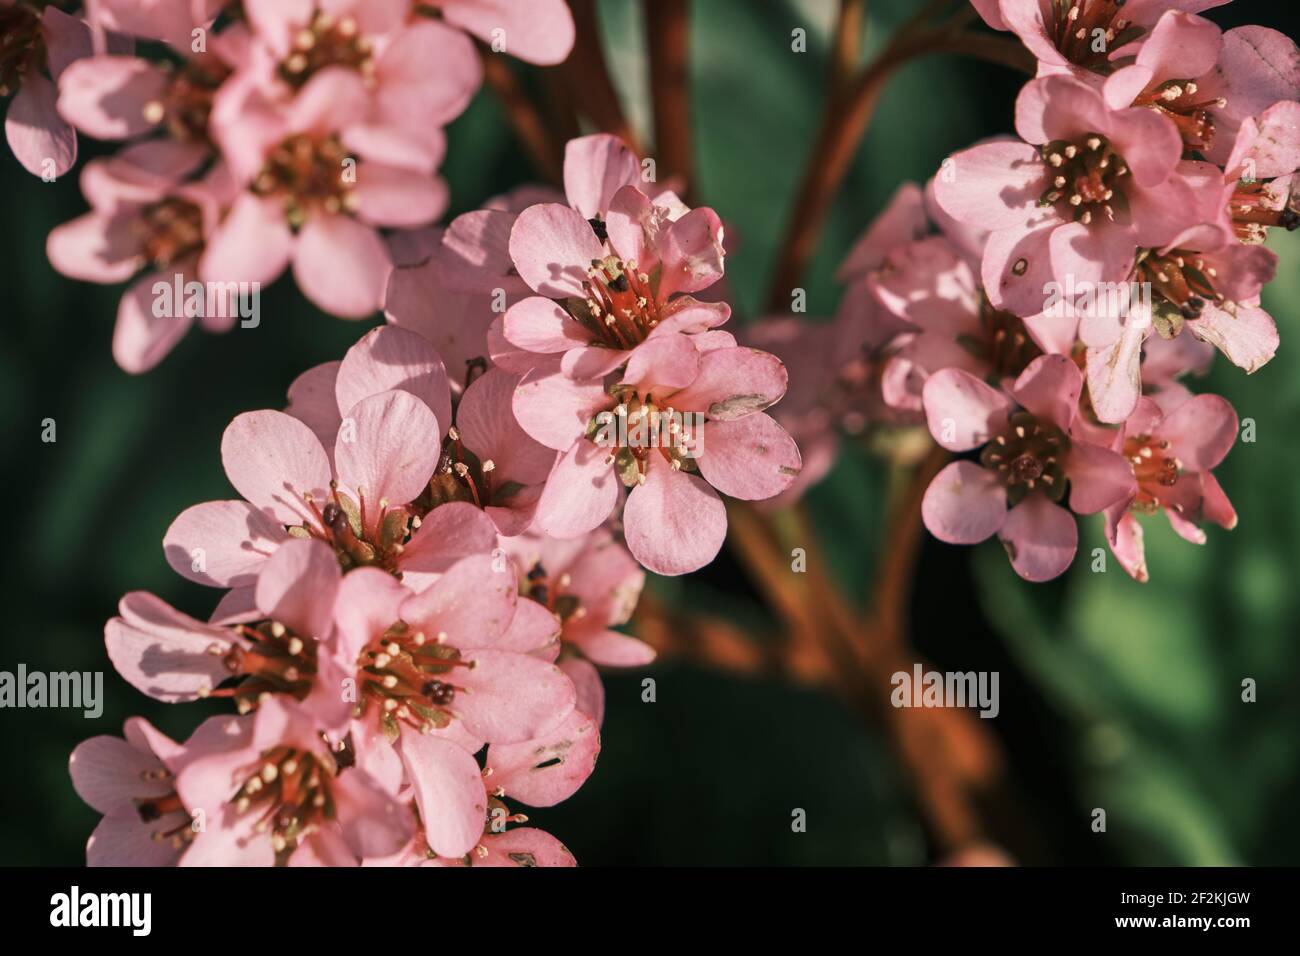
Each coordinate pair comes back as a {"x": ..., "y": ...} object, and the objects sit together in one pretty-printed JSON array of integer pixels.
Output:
[
  {"x": 587, "y": 76},
  {"x": 668, "y": 34},
  {"x": 845, "y": 122},
  {"x": 533, "y": 131}
]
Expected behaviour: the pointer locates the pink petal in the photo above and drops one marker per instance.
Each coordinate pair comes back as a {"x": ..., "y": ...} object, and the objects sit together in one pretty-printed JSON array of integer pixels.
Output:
[
  {"x": 595, "y": 168},
  {"x": 448, "y": 790},
  {"x": 105, "y": 96},
  {"x": 962, "y": 411},
  {"x": 142, "y": 339},
  {"x": 580, "y": 493},
  {"x": 374, "y": 824},
  {"x": 312, "y": 401},
  {"x": 691, "y": 254},
  {"x": 1114, "y": 374},
  {"x": 252, "y": 244},
  {"x": 1124, "y": 534},
  {"x": 1247, "y": 337},
  {"x": 472, "y": 604},
  {"x": 42, "y": 141},
  {"x": 341, "y": 266},
  {"x": 1098, "y": 477},
  {"x": 109, "y": 774},
  {"x": 387, "y": 449},
  {"x": 228, "y": 541},
  {"x": 674, "y": 522},
  {"x": 162, "y": 652},
  {"x": 541, "y": 325},
  {"x": 733, "y": 383},
  {"x": 1049, "y": 387},
  {"x": 274, "y": 461},
  {"x": 554, "y": 409},
  {"x": 397, "y": 198},
  {"x": 512, "y": 697},
  {"x": 448, "y": 533},
  {"x": 540, "y": 31},
  {"x": 614, "y": 649},
  {"x": 544, "y": 771},
  {"x": 298, "y": 585},
  {"x": 964, "y": 504},
  {"x": 994, "y": 185},
  {"x": 389, "y": 358},
  {"x": 1200, "y": 432},
  {"x": 751, "y": 458},
  {"x": 410, "y": 88},
  {"x": 1040, "y": 538},
  {"x": 95, "y": 248},
  {"x": 552, "y": 247},
  {"x": 488, "y": 428}
]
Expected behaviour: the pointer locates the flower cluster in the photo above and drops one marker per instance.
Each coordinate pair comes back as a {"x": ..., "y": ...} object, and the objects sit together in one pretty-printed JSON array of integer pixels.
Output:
[
  {"x": 423, "y": 569},
  {"x": 1043, "y": 299},
  {"x": 269, "y": 135}
]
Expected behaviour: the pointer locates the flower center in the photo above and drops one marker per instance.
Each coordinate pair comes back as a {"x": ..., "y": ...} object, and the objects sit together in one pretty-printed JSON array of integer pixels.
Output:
[
  {"x": 186, "y": 104},
  {"x": 310, "y": 174},
  {"x": 276, "y": 661},
  {"x": 327, "y": 41},
  {"x": 619, "y": 308},
  {"x": 357, "y": 540},
  {"x": 1004, "y": 342},
  {"x": 462, "y": 476},
  {"x": 409, "y": 677},
  {"x": 1254, "y": 207},
  {"x": 22, "y": 50},
  {"x": 1177, "y": 100},
  {"x": 550, "y": 593},
  {"x": 1086, "y": 178},
  {"x": 290, "y": 791},
  {"x": 637, "y": 428},
  {"x": 1184, "y": 281},
  {"x": 153, "y": 809},
  {"x": 1028, "y": 456},
  {"x": 168, "y": 230},
  {"x": 1087, "y": 31},
  {"x": 1153, "y": 468}
]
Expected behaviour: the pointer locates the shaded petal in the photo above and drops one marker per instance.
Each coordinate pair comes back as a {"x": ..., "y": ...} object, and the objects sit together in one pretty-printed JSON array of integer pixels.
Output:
[{"x": 964, "y": 504}]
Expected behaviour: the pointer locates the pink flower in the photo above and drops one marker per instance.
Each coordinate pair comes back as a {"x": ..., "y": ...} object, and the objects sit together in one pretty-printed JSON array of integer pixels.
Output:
[
  {"x": 640, "y": 437},
  {"x": 1075, "y": 207},
  {"x": 504, "y": 846},
  {"x": 539, "y": 31},
  {"x": 149, "y": 224},
  {"x": 116, "y": 97},
  {"x": 487, "y": 460},
  {"x": 144, "y": 822},
  {"x": 278, "y": 795},
  {"x": 1213, "y": 293},
  {"x": 1172, "y": 448},
  {"x": 132, "y": 783},
  {"x": 169, "y": 20},
  {"x": 440, "y": 673},
  {"x": 323, "y": 171},
  {"x": 35, "y": 43},
  {"x": 592, "y": 585},
  {"x": 1084, "y": 36},
  {"x": 361, "y": 501},
  {"x": 1031, "y": 450},
  {"x": 611, "y": 269},
  {"x": 283, "y": 647}
]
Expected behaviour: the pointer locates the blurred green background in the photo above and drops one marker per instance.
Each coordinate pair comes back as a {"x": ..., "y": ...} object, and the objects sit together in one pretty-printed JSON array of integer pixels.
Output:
[{"x": 1113, "y": 694}]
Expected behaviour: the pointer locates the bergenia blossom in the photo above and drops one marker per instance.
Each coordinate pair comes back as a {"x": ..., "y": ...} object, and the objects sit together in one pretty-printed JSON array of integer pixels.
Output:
[
  {"x": 1173, "y": 449},
  {"x": 36, "y": 43},
  {"x": 676, "y": 428},
  {"x": 1032, "y": 455}
]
